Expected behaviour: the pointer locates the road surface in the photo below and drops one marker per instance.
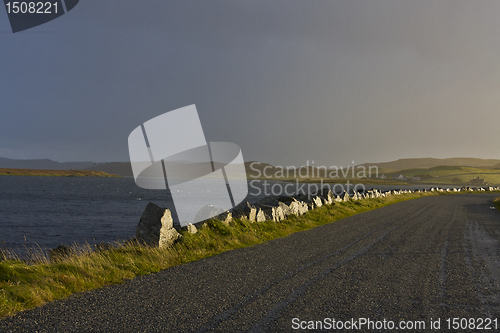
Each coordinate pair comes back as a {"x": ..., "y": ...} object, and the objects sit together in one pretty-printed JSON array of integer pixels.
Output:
[{"x": 418, "y": 262}]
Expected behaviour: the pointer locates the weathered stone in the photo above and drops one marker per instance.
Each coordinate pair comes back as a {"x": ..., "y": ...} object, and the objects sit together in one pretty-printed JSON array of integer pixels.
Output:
[
  {"x": 330, "y": 197},
  {"x": 245, "y": 210},
  {"x": 317, "y": 201},
  {"x": 346, "y": 197},
  {"x": 252, "y": 215},
  {"x": 191, "y": 229},
  {"x": 303, "y": 207},
  {"x": 323, "y": 192},
  {"x": 261, "y": 217},
  {"x": 226, "y": 218},
  {"x": 60, "y": 252},
  {"x": 266, "y": 210},
  {"x": 155, "y": 227},
  {"x": 278, "y": 215},
  {"x": 286, "y": 208},
  {"x": 168, "y": 237},
  {"x": 294, "y": 207}
]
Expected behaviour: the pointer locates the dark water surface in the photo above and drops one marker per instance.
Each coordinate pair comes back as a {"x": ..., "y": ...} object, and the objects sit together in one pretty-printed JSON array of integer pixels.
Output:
[{"x": 48, "y": 211}]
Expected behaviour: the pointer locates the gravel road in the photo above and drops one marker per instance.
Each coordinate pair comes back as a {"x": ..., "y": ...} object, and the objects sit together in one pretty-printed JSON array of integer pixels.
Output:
[{"x": 417, "y": 261}]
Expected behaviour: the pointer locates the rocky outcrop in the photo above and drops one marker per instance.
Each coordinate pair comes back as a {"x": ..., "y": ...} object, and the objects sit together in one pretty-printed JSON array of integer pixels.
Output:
[{"x": 156, "y": 227}]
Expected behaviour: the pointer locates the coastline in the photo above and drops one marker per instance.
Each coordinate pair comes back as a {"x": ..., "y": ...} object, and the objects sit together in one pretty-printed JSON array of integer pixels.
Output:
[{"x": 54, "y": 173}]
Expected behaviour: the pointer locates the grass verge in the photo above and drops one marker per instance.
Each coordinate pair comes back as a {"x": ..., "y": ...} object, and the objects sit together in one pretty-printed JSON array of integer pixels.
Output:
[
  {"x": 497, "y": 203},
  {"x": 27, "y": 285}
]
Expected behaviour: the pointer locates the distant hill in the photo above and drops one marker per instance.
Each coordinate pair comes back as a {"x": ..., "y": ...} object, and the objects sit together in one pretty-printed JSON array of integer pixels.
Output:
[
  {"x": 413, "y": 163},
  {"x": 44, "y": 164},
  {"x": 124, "y": 169}
]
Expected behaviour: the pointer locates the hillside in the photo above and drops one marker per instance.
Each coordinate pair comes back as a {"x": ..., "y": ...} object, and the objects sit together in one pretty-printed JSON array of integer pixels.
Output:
[
  {"x": 448, "y": 175},
  {"x": 412, "y": 163},
  {"x": 44, "y": 164}
]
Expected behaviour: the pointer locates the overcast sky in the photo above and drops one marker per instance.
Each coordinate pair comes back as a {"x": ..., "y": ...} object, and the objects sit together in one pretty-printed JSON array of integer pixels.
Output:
[{"x": 288, "y": 81}]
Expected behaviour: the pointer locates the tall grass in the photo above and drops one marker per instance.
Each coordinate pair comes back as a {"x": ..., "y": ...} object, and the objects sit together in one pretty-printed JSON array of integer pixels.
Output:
[
  {"x": 25, "y": 284},
  {"x": 497, "y": 203}
]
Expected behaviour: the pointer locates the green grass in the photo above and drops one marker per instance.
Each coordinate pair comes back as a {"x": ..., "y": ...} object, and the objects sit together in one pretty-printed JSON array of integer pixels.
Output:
[
  {"x": 445, "y": 174},
  {"x": 439, "y": 175},
  {"x": 497, "y": 203},
  {"x": 26, "y": 285}
]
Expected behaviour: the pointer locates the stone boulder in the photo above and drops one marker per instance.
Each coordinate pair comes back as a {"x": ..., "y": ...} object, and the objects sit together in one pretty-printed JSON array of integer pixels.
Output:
[
  {"x": 191, "y": 229},
  {"x": 245, "y": 211},
  {"x": 317, "y": 201},
  {"x": 286, "y": 208},
  {"x": 60, "y": 252},
  {"x": 324, "y": 193},
  {"x": 337, "y": 198},
  {"x": 278, "y": 214},
  {"x": 261, "y": 217},
  {"x": 303, "y": 207},
  {"x": 156, "y": 227},
  {"x": 225, "y": 218},
  {"x": 266, "y": 210}
]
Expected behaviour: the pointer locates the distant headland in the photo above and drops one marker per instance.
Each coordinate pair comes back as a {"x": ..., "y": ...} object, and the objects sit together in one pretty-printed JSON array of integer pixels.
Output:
[{"x": 54, "y": 173}]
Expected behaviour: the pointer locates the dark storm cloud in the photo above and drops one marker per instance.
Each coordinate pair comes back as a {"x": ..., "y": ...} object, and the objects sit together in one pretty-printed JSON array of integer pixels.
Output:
[{"x": 288, "y": 81}]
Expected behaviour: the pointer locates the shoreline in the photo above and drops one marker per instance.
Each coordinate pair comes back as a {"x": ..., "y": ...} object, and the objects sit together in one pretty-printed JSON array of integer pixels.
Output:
[{"x": 54, "y": 173}]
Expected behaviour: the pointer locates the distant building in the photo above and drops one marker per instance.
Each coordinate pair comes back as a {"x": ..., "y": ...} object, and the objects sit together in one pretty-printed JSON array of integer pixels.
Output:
[
  {"x": 477, "y": 181},
  {"x": 415, "y": 178},
  {"x": 400, "y": 177},
  {"x": 382, "y": 176}
]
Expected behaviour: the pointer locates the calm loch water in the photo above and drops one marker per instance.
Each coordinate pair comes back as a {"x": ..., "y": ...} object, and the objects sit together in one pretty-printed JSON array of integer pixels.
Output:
[{"x": 48, "y": 211}]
